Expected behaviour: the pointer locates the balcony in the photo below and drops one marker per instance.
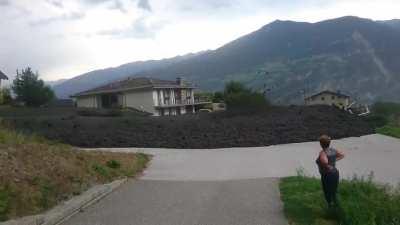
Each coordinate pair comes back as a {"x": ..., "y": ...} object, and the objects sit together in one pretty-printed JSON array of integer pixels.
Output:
[{"x": 182, "y": 102}]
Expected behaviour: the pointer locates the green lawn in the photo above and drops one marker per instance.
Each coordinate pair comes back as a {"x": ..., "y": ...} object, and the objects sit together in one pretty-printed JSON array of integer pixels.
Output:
[
  {"x": 361, "y": 203},
  {"x": 389, "y": 130}
]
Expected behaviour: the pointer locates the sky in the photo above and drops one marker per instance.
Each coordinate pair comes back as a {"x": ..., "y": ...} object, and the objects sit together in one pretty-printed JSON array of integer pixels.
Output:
[{"x": 65, "y": 38}]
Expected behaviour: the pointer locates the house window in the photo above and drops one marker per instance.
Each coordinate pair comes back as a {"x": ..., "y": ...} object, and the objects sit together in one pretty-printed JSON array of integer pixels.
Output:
[
  {"x": 333, "y": 97},
  {"x": 323, "y": 98}
]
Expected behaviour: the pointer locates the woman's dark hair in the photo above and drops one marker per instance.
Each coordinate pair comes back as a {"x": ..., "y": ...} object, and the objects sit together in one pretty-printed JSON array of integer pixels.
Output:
[{"x": 325, "y": 141}]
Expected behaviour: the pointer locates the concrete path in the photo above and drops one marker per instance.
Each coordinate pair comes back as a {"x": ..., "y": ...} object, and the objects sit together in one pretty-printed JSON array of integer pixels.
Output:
[{"x": 230, "y": 186}]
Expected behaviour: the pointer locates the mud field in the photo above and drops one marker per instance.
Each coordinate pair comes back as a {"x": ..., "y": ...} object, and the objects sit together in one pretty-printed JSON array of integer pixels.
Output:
[{"x": 277, "y": 125}]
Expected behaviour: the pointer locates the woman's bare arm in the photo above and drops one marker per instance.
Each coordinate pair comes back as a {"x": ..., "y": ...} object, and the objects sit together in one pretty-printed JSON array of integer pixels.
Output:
[
  {"x": 339, "y": 155},
  {"x": 324, "y": 159}
]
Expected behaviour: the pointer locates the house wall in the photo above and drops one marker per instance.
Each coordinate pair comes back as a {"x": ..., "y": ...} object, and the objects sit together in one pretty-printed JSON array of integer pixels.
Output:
[
  {"x": 328, "y": 99},
  {"x": 87, "y": 102},
  {"x": 140, "y": 99},
  {"x": 146, "y": 100}
]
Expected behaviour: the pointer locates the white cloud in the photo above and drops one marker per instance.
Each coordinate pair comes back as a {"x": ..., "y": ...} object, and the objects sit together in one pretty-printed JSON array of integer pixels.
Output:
[{"x": 75, "y": 36}]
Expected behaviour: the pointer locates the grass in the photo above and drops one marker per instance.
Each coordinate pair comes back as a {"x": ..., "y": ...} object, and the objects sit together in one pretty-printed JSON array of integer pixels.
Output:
[
  {"x": 362, "y": 202},
  {"x": 389, "y": 130},
  {"x": 36, "y": 174},
  {"x": 385, "y": 118}
]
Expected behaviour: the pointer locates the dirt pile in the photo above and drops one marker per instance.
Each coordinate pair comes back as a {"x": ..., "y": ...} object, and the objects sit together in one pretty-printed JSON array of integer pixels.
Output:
[{"x": 277, "y": 125}]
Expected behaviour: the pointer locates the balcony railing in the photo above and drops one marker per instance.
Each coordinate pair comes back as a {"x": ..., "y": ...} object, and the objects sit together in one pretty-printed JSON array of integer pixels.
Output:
[{"x": 182, "y": 102}]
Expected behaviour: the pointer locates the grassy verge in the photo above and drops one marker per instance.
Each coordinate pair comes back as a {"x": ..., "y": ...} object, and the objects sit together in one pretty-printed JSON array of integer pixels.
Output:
[
  {"x": 361, "y": 203},
  {"x": 389, "y": 130},
  {"x": 36, "y": 174},
  {"x": 385, "y": 118}
]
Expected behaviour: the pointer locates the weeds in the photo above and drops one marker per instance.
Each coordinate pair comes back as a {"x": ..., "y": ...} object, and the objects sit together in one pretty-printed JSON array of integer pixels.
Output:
[
  {"x": 113, "y": 164},
  {"x": 361, "y": 202},
  {"x": 40, "y": 173},
  {"x": 4, "y": 203},
  {"x": 389, "y": 130},
  {"x": 47, "y": 194},
  {"x": 142, "y": 160},
  {"x": 101, "y": 170}
]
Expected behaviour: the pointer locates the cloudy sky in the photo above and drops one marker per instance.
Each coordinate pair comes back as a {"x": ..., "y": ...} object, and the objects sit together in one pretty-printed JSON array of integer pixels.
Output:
[{"x": 64, "y": 38}]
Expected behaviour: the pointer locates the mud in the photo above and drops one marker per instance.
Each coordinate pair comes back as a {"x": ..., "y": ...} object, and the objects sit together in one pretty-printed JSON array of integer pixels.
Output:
[{"x": 276, "y": 125}]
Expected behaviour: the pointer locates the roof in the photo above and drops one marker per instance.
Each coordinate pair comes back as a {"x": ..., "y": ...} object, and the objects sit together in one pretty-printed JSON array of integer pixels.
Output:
[
  {"x": 134, "y": 83},
  {"x": 338, "y": 94},
  {"x": 3, "y": 76}
]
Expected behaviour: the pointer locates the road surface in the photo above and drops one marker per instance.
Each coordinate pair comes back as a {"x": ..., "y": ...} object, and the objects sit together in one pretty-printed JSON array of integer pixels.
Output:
[{"x": 230, "y": 186}]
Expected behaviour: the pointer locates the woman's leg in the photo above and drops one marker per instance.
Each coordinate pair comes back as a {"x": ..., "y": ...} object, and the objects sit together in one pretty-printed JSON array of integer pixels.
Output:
[
  {"x": 335, "y": 184},
  {"x": 325, "y": 187},
  {"x": 332, "y": 183}
]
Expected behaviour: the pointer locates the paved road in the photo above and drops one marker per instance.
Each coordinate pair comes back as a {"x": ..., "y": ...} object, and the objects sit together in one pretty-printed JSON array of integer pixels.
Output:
[
  {"x": 377, "y": 153},
  {"x": 230, "y": 186},
  {"x": 150, "y": 202}
]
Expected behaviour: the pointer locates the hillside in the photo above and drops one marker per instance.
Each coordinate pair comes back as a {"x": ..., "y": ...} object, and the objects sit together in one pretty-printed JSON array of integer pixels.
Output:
[
  {"x": 98, "y": 77},
  {"x": 357, "y": 56},
  {"x": 36, "y": 174}
]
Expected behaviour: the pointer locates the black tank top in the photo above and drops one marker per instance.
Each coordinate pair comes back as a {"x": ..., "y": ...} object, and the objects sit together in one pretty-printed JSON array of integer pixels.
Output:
[{"x": 331, "y": 153}]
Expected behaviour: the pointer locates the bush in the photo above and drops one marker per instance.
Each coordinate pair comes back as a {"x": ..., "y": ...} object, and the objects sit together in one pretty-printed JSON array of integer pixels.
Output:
[
  {"x": 31, "y": 90},
  {"x": 377, "y": 120},
  {"x": 5, "y": 96},
  {"x": 386, "y": 109}
]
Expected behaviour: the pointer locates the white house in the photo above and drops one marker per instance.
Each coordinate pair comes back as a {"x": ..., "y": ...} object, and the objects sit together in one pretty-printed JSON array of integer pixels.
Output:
[{"x": 158, "y": 97}]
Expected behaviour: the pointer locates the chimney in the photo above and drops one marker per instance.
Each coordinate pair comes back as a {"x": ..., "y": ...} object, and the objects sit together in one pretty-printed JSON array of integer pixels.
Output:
[{"x": 179, "y": 81}]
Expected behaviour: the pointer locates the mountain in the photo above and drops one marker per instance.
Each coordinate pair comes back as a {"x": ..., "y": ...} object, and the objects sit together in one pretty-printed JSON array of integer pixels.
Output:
[
  {"x": 357, "y": 56},
  {"x": 395, "y": 23},
  {"x": 99, "y": 77},
  {"x": 53, "y": 83}
]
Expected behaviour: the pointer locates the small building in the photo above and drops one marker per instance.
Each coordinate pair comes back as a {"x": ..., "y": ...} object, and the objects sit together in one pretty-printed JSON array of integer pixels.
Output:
[
  {"x": 155, "y": 96},
  {"x": 2, "y": 77},
  {"x": 329, "y": 98}
]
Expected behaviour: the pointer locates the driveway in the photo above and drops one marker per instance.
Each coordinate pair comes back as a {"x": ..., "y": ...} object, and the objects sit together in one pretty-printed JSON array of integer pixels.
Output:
[{"x": 231, "y": 186}]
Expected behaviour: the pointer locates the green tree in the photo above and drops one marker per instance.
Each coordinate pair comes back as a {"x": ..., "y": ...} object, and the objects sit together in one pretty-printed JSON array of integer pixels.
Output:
[
  {"x": 234, "y": 87},
  {"x": 31, "y": 90},
  {"x": 218, "y": 97},
  {"x": 237, "y": 96}
]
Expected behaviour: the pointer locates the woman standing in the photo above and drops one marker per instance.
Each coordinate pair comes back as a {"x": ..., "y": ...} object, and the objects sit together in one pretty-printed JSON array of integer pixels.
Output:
[{"x": 327, "y": 168}]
